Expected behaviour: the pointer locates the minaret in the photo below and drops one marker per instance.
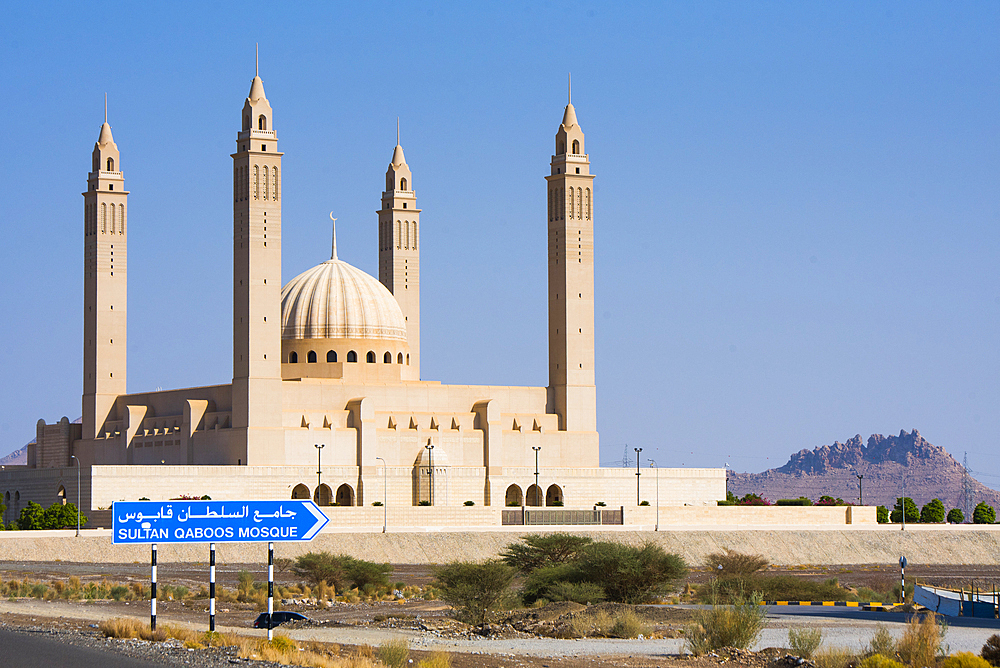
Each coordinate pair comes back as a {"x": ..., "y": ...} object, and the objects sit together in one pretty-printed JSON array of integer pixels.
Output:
[
  {"x": 105, "y": 283},
  {"x": 398, "y": 255},
  {"x": 572, "y": 392},
  {"x": 257, "y": 282}
]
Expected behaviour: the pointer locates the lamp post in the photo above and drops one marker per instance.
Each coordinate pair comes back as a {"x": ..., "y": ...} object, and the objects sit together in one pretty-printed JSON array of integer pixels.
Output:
[
  {"x": 319, "y": 469},
  {"x": 902, "y": 503},
  {"x": 385, "y": 499},
  {"x": 430, "y": 472},
  {"x": 538, "y": 490},
  {"x": 637, "y": 474},
  {"x": 861, "y": 498},
  {"x": 653, "y": 465},
  {"x": 77, "y": 495}
]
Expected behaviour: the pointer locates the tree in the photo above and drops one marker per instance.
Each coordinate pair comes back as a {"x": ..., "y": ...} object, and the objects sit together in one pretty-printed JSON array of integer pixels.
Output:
[
  {"x": 537, "y": 551},
  {"x": 912, "y": 512},
  {"x": 317, "y": 567},
  {"x": 932, "y": 512},
  {"x": 881, "y": 514},
  {"x": 475, "y": 590},
  {"x": 630, "y": 574},
  {"x": 984, "y": 514},
  {"x": 32, "y": 517},
  {"x": 956, "y": 516},
  {"x": 56, "y": 516}
]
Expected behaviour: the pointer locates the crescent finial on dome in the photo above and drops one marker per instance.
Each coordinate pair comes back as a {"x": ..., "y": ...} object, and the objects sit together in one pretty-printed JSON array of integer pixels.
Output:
[{"x": 333, "y": 256}]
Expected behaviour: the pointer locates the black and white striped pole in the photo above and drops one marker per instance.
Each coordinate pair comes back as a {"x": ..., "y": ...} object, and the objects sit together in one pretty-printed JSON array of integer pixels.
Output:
[
  {"x": 152, "y": 590},
  {"x": 902, "y": 579},
  {"x": 211, "y": 586},
  {"x": 270, "y": 588}
]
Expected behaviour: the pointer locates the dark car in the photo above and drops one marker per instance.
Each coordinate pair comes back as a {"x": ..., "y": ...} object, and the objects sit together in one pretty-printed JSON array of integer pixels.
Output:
[{"x": 278, "y": 618}]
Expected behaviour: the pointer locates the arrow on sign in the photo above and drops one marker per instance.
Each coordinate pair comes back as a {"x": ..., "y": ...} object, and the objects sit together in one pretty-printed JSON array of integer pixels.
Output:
[{"x": 216, "y": 521}]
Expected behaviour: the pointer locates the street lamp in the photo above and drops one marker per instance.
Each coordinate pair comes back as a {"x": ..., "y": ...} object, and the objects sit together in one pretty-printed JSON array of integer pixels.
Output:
[
  {"x": 385, "y": 500},
  {"x": 538, "y": 490},
  {"x": 653, "y": 465},
  {"x": 77, "y": 495},
  {"x": 430, "y": 472},
  {"x": 861, "y": 498},
  {"x": 637, "y": 474},
  {"x": 319, "y": 469}
]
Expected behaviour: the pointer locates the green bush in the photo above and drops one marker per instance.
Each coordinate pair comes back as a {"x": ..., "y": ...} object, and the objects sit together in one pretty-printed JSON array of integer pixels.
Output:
[
  {"x": 425, "y": 502},
  {"x": 734, "y": 564},
  {"x": 476, "y": 591},
  {"x": 955, "y": 516},
  {"x": 118, "y": 592},
  {"x": 537, "y": 550},
  {"x": 644, "y": 503},
  {"x": 363, "y": 573},
  {"x": 394, "y": 654},
  {"x": 726, "y": 503},
  {"x": 879, "y": 661},
  {"x": 804, "y": 642},
  {"x": 376, "y": 503},
  {"x": 771, "y": 588},
  {"x": 932, "y": 512},
  {"x": 965, "y": 660},
  {"x": 991, "y": 650},
  {"x": 882, "y": 514},
  {"x": 738, "y": 625},
  {"x": 882, "y": 644},
  {"x": 540, "y": 581},
  {"x": 470, "y": 503},
  {"x": 318, "y": 567},
  {"x": 984, "y": 514},
  {"x": 584, "y": 593},
  {"x": 56, "y": 516},
  {"x": 630, "y": 574},
  {"x": 912, "y": 512},
  {"x": 801, "y": 501}
]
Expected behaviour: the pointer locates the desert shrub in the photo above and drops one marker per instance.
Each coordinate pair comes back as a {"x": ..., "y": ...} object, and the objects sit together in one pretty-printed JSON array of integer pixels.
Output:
[
  {"x": 984, "y": 514},
  {"x": 627, "y": 624},
  {"x": 751, "y": 499},
  {"x": 541, "y": 580},
  {"x": 394, "y": 653},
  {"x": 436, "y": 660},
  {"x": 738, "y": 625},
  {"x": 881, "y": 514},
  {"x": 316, "y": 567},
  {"x": 596, "y": 625},
  {"x": 735, "y": 563},
  {"x": 965, "y": 660},
  {"x": 469, "y": 503},
  {"x": 282, "y": 643},
  {"x": 377, "y": 503},
  {"x": 363, "y": 573},
  {"x": 630, "y": 574},
  {"x": 771, "y": 588},
  {"x": 912, "y": 512},
  {"x": 932, "y": 512},
  {"x": 879, "y": 661},
  {"x": 921, "y": 641},
  {"x": 644, "y": 503},
  {"x": 56, "y": 516},
  {"x": 991, "y": 650},
  {"x": 425, "y": 502},
  {"x": 585, "y": 593},
  {"x": 475, "y": 590},
  {"x": 866, "y": 595},
  {"x": 827, "y": 500},
  {"x": 955, "y": 516},
  {"x": 805, "y": 642},
  {"x": 727, "y": 502},
  {"x": 537, "y": 550},
  {"x": 834, "y": 657},
  {"x": 882, "y": 644},
  {"x": 801, "y": 501}
]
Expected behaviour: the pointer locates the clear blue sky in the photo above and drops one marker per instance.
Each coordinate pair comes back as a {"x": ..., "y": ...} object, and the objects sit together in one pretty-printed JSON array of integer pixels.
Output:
[{"x": 796, "y": 207}]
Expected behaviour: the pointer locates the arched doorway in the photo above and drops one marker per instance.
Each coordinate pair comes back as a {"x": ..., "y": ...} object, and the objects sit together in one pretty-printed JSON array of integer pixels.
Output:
[
  {"x": 61, "y": 495},
  {"x": 345, "y": 495},
  {"x": 322, "y": 496},
  {"x": 513, "y": 496},
  {"x": 534, "y": 496},
  {"x": 553, "y": 496},
  {"x": 300, "y": 491}
]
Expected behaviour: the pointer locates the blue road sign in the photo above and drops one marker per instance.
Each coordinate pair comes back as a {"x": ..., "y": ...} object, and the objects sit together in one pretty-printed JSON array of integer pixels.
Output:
[{"x": 216, "y": 521}]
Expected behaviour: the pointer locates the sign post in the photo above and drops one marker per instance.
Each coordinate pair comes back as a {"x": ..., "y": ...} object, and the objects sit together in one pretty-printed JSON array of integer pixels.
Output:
[
  {"x": 902, "y": 580},
  {"x": 152, "y": 522}
]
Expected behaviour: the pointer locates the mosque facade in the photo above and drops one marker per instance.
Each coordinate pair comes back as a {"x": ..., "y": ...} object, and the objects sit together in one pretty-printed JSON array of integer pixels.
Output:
[{"x": 327, "y": 400}]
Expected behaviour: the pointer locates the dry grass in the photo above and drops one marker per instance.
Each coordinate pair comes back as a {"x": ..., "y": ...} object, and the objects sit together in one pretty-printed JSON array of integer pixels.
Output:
[
  {"x": 436, "y": 660},
  {"x": 921, "y": 642},
  {"x": 129, "y": 627},
  {"x": 805, "y": 642},
  {"x": 835, "y": 657},
  {"x": 394, "y": 653},
  {"x": 721, "y": 626}
]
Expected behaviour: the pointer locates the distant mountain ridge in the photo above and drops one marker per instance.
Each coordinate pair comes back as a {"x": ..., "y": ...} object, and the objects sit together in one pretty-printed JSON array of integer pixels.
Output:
[
  {"x": 833, "y": 469},
  {"x": 17, "y": 458}
]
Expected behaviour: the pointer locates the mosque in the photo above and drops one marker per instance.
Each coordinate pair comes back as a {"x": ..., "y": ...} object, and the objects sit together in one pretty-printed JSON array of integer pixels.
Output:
[{"x": 327, "y": 400}]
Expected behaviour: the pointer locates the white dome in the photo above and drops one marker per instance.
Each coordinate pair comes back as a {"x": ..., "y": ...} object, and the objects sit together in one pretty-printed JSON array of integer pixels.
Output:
[{"x": 334, "y": 300}]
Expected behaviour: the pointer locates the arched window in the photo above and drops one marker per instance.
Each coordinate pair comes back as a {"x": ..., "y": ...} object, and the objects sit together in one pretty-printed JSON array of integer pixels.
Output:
[
  {"x": 274, "y": 183},
  {"x": 579, "y": 202},
  {"x": 406, "y": 226},
  {"x": 61, "y": 494},
  {"x": 534, "y": 496},
  {"x": 414, "y": 235},
  {"x": 262, "y": 122},
  {"x": 370, "y": 357},
  {"x": 267, "y": 182},
  {"x": 322, "y": 496},
  {"x": 331, "y": 356},
  {"x": 311, "y": 357},
  {"x": 352, "y": 356},
  {"x": 121, "y": 219},
  {"x": 571, "y": 209},
  {"x": 588, "y": 203},
  {"x": 112, "y": 219},
  {"x": 387, "y": 358},
  {"x": 399, "y": 358},
  {"x": 345, "y": 495},
  {"x": 402, "y": 184},
  {"x": 399, "y": 235},
  {"x": 576, "y": 146},
  {"x": 104, "y": 218},
  {"x": 111, "y": 164},
  {"x": 300, "y": 491},
  {"x": 553, "y": 496},
  {"x": 407, "y": 358},
  {"x": 293, "y": 357},
  {"x": 513, "y": 496},
  {"x": 256, "y": 182}
]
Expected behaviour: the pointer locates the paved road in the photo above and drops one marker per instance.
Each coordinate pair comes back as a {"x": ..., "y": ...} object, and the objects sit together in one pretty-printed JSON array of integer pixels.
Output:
[{"x": 25, "y": 650}]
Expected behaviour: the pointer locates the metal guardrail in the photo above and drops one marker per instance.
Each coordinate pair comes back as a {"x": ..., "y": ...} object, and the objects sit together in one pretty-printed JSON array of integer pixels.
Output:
[{"x": 560, "y": 516}]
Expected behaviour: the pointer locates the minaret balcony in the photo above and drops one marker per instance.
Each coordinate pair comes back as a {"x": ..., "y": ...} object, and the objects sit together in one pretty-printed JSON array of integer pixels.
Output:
[
  {"x": 257, "y": 134},
  {"x": 106, "y": 175}
]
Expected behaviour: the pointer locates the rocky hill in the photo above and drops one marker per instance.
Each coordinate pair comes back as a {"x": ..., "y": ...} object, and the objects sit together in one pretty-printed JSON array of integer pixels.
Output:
[
  {"x": 832, "y": 469},
  {"x": 17, "y": 458}
]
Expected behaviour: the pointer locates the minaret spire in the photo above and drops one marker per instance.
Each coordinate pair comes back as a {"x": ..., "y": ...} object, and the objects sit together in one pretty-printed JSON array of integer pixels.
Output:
[
  {"x": 570, "y": 101},
  {"x": 256, "y": 60},
  {"x": 333, "y": 256},
  {"x": 105, "y": 107},
  {"x": 397, "y": 130}
]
